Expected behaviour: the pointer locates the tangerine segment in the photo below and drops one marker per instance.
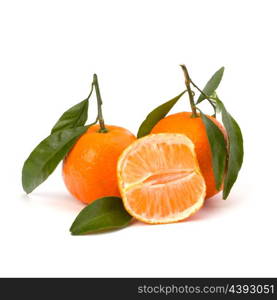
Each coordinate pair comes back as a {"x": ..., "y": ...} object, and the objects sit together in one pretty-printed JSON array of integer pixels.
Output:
[
  {"x": 156, "y": 154},
  {"x": 160, "y": 180}
]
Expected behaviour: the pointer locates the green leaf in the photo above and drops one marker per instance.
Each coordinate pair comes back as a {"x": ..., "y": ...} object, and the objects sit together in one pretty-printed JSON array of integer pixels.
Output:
[
  {"x": 75, "y": 116},
  {"x": 156, "y": 115},
  {"x": 101, "y": 215},
  {"x": 218, "y": 149},
  {"x": 46, "y": 156},
  {"x": 212, "y": 85},
  {"x": 235, "y": 148}
]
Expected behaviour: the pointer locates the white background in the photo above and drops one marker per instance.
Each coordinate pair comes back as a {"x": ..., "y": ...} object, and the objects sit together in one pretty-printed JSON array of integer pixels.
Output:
[{"x": 49, "y": 52}]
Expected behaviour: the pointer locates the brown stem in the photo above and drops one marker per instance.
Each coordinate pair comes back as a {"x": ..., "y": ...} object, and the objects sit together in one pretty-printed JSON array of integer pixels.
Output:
[
  {"x": 190, "y": 92},
  {"x": 102, "y": 129}
]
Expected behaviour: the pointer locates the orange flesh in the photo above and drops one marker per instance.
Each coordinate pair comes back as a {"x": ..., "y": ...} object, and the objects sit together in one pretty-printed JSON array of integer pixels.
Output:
[
  {"x": 162, "y": 200},
  {"x": 160, "y": 179}
]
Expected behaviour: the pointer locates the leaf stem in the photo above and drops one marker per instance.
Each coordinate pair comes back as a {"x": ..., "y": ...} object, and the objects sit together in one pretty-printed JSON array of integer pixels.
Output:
[
  {"x": 190, "y": 92},
  {"x": 102, "y": 129},
  {"x": 91, "y": 90},
  {"x": 208, "y": 98}
]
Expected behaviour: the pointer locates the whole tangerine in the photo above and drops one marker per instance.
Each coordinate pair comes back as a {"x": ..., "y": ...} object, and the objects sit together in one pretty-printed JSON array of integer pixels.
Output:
[{"x": 89, "y": 169}]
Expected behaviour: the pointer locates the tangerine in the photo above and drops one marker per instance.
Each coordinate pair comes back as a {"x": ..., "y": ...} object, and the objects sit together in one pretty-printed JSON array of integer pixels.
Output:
[{"x": 89, "y": 169}]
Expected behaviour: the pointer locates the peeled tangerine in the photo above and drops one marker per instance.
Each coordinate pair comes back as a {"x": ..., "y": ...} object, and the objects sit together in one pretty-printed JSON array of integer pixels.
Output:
[{"x": 159, "y": 178}]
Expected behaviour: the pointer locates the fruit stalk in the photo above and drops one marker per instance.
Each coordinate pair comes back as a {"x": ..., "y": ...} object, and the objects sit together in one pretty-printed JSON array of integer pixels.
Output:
[
  {"x": 207, "y": 97},
  {"x": 102, "y": 129},
  {"x": 190, "y": 92}
]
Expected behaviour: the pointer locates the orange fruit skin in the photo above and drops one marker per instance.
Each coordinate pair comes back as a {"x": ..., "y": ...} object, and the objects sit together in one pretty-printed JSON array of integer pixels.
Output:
[
  {"x": 89, "y": 169},
  {"x": 194, "y": 129}
]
